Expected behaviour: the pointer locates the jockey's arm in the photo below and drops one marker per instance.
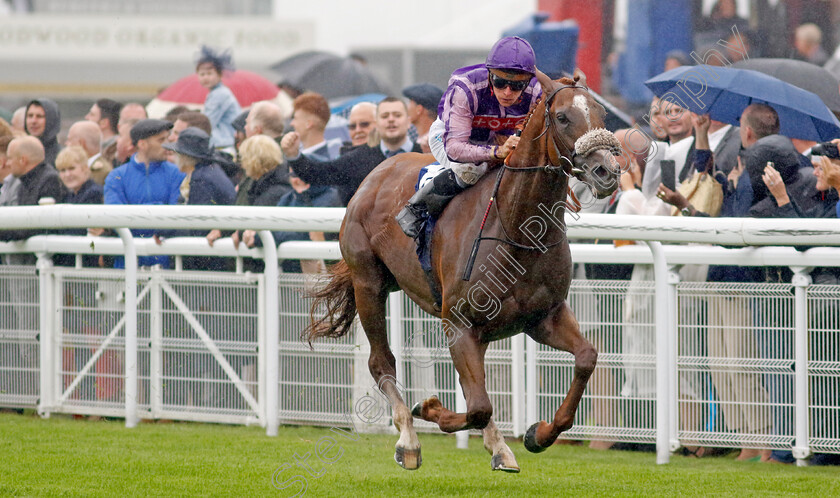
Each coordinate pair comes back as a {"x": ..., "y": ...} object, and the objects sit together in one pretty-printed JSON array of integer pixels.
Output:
[{"x": 458, "y": 119}]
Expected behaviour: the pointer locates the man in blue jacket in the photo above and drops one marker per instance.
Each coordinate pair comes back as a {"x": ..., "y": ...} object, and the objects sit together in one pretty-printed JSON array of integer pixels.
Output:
[{"x": 147, "y": 178}]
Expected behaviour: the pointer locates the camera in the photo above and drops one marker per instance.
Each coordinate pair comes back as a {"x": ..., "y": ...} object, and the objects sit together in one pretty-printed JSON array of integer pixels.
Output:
[{"x": 826, "y": 149}]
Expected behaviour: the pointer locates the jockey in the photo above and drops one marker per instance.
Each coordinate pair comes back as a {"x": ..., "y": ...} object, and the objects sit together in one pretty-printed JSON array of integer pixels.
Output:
[{"x": 481, "y": 106}]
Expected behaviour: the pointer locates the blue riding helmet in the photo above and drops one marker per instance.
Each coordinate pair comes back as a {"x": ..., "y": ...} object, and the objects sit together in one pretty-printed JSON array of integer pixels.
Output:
[{"x": 512, "y": 53}]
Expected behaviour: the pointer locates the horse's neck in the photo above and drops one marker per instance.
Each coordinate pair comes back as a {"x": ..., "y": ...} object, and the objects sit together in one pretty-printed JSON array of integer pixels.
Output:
[{"x": 525, "y": 194}]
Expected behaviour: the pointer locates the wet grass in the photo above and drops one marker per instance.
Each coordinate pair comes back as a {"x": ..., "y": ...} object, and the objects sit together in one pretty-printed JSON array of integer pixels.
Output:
[{"x": 61, "y": 456}]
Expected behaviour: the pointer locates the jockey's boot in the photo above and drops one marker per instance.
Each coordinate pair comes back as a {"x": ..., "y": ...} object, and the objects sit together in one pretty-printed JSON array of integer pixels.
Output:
[{"x": 431, "y": 199}]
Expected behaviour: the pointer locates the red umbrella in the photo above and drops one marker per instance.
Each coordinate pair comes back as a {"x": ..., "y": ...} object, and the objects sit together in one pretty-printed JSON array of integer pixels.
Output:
[{"x": 246, "y": 86}]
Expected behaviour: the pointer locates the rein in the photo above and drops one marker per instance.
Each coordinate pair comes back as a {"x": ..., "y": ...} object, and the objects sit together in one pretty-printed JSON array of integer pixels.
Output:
[{"x": 548, "y": 168}]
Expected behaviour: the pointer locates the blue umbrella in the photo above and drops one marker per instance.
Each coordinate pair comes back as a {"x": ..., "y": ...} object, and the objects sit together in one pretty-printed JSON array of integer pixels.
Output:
[{"x": 724, "y": 93}]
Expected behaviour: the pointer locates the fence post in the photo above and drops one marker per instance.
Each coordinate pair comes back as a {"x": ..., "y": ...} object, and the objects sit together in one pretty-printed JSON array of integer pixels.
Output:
[
  {"x": 531, "y": 411},
  {"x": 396, "y": 322},
  {"x": 672, "y": 358},
  {"x": 272, "y": 331},
  {"x": 517, "y": 366},
  {"x": 46, "y": 337},
  {"x": 462, "y": 438},
  {"x": 663, "y": 351},
  {"x": 801, "y": 447},
  {"x": 155, "y": 354},
  {"x": 262, "y": 357},
  {"x": 130, "y": 251}
]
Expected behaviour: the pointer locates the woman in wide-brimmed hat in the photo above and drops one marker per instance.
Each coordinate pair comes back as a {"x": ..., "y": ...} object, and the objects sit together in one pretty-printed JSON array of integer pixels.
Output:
[{"x": 206, "y": 182}]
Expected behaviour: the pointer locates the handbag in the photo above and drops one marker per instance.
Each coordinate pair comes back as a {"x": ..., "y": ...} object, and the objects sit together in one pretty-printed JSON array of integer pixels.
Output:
[{"x": 703, "y": 192}]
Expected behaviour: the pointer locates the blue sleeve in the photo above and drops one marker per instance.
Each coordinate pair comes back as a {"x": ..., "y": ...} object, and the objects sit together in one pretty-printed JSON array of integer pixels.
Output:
[
  {"x": 214, "y": 106},
  {"x": 114, "y": 188},
  {"x": 838, "y": 209},
  {"x": 288, "y": 200}
]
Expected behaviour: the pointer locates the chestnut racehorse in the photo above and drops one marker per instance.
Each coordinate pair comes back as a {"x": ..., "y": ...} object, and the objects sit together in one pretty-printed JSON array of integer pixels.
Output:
[{"x": 525, "y": 244}]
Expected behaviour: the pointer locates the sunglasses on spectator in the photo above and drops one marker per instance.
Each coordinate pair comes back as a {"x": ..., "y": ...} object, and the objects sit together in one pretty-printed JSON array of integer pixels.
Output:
[
  {"x": 500, "y": 83},
  {"x": 362, "y": 124}
]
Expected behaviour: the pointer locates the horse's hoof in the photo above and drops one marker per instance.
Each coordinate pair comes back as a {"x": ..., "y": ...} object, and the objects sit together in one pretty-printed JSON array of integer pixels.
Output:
[
  {"x": 408, "y": 459},
  {"x": 530, "y": 440},
  {"x": 497, "y": 463},
  {"x": 433, "y": 403}
]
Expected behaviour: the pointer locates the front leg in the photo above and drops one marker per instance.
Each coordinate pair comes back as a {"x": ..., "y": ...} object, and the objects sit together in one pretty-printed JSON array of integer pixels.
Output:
[{"x": 560, "y": 330}]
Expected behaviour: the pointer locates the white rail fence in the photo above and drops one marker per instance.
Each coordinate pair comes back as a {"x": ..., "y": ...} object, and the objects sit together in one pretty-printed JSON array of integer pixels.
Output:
[{"x": 190, "y": 345}]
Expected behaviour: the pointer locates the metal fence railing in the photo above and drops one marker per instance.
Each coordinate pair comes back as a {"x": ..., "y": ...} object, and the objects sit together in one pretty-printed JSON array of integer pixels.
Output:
[{"x": 681, "y": 362}]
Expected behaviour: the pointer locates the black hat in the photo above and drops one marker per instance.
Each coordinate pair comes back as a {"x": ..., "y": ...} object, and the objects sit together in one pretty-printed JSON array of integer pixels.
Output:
[
  {"x": 148, "y": 128},
  {"x": 192, "y": 142},
  {"x": 425, "y": 94}
]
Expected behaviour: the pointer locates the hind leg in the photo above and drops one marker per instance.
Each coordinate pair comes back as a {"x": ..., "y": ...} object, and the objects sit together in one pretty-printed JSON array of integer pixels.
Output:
[
  {"x": 371, "y": 293},
  {"x": 561, "y": 331}
]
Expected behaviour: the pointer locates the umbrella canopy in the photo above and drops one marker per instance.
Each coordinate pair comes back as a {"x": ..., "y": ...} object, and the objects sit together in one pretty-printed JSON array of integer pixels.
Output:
[
  {"x": 724, "y": 93},
  {"x": 246, "y": 86},
  {"x": 328, "y": 74},
  {"x": 343, "y": 105},
  {"x": 803, "y": 74}
]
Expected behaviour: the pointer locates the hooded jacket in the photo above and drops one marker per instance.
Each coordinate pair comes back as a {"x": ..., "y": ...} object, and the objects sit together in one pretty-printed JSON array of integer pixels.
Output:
[
  {"x": 40, "y": 182},
  {"x": 785, "y": 158},
  {"x": 314, "y": 196},
  {"x": 51, "y": 128},
  {"x": 270, "y": 187}
]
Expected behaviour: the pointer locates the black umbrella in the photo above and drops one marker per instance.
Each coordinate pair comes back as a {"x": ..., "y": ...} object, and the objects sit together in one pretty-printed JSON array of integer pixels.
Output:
[
  {"x": 803, "y": 74},
  {"x": 328, "y": 74}
]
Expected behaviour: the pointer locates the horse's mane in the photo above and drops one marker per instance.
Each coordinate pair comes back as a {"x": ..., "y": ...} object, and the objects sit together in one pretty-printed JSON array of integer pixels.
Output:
[
  {"x": 524, "y": 122},
  {"x": 567, "y": 81}
]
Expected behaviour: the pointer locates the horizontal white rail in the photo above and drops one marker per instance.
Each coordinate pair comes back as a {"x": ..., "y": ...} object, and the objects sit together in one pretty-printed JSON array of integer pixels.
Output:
[
  {"x": 581, "y": 253},
  {"x": 728, "y": 231},
  {"x": 172, "y": 217}
]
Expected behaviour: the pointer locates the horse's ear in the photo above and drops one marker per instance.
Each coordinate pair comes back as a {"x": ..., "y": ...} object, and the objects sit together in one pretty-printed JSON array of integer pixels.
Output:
[
  {"x": 545, "y": 81},
  {"x": 579, "y": 77}
]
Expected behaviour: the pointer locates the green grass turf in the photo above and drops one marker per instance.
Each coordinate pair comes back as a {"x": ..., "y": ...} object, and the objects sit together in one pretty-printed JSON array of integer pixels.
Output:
[{"x": 65, "y": 457}]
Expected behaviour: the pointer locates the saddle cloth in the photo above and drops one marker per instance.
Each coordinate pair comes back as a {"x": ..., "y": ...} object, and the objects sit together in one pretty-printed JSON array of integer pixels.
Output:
[{"x": 427, "y": 174}]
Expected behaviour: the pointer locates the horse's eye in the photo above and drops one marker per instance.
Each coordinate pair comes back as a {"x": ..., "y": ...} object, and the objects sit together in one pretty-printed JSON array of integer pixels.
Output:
[{"x": 562, "y": 119}]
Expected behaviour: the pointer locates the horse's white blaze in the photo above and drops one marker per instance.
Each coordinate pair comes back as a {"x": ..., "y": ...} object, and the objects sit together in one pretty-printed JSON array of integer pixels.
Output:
[{"x": 581, "y": 103}]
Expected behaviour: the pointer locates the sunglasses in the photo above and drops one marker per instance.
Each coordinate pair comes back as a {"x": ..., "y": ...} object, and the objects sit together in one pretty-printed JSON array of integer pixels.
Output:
[
  {"x": 363, "y": 124},
  {"x": 500, "y": 83}
]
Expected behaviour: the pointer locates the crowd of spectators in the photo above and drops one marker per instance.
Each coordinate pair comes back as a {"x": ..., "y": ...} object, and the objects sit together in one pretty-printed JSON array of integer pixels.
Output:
[
  {"x": 117, "y": 155},
  {"x": 761, "y": 174}
]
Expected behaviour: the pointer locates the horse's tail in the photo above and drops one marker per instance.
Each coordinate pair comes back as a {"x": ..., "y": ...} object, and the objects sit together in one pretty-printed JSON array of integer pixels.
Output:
[{"x": 334, "y": 308}]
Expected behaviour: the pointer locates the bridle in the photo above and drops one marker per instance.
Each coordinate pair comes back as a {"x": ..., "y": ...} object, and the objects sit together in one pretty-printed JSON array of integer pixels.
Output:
[{"x": 549, "y": 126}]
